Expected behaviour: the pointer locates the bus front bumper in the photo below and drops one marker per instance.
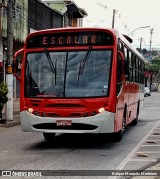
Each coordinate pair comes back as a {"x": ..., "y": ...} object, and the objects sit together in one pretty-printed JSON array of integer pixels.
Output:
[{"x": 100, "y": 123}]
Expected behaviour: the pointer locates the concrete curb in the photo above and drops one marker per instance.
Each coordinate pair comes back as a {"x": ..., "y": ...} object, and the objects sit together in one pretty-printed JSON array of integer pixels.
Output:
[{"x": 10, "y": 124}]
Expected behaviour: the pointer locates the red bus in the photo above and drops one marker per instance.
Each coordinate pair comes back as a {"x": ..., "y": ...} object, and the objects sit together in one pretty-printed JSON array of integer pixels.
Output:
[{"x": 79, "y": 80}]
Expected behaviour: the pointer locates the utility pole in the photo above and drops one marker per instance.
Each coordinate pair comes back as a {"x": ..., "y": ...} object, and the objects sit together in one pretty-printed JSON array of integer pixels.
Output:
[
  {"x": 9, "y": 70},
  {"x": 140, "y": 44},
  {"x": 113, "y": 19},
  {"x": 151, "y": 32}
]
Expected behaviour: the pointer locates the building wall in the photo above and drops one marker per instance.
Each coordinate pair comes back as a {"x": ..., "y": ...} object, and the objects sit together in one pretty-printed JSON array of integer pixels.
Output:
[
  {"x": 75, "y": 23},
  {"x": 70, "y": 20},
  {"x": 20, "y": 22},
  {"x": 29, "y": 14},
  {"x": 59, "y": 6},
  {"x": 41, "y": 16},
  {"x": 19, "y": 13}
]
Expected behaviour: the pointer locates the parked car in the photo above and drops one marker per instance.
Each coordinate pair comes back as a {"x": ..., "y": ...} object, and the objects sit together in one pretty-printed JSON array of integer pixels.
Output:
[{"x": 147, "y": 91}]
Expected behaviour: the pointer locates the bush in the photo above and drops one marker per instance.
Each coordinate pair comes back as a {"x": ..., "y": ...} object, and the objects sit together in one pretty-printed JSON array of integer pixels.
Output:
[{"x": 3, "y": 96}]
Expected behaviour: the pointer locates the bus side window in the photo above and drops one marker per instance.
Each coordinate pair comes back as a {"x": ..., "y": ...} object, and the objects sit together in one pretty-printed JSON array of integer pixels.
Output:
[
  {"x": 133, "y": 67},
  {"x": 126, "y": 61},
  {"x": 130, "y": 67},
  {"x": 119, "y": 73},
  {"x": 142, "y": 72},
  {"x": 120, "y": 47},
  {"x": 120, "y": 62},
  {"x": 136, "y": 69}
]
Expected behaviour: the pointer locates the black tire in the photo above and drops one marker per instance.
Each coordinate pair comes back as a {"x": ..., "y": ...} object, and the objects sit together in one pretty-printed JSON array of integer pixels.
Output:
[
  {"x": 135, "y": 121},
  {"x": 49, "y": 137},
  {"x": 117, "y": 136}
]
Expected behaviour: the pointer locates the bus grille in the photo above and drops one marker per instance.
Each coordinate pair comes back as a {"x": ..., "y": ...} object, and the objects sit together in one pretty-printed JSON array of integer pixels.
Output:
[
  {"x": 64, "y": 105},
  {"x": 74, "y": 126}
]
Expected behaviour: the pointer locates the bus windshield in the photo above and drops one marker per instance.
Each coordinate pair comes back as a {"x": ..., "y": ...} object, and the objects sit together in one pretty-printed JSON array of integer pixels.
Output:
[{"x": 64, "y": 74}]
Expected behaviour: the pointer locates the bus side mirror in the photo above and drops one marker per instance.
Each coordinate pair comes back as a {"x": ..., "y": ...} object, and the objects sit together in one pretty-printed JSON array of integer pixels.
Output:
[{"x": 18, "y": 58}]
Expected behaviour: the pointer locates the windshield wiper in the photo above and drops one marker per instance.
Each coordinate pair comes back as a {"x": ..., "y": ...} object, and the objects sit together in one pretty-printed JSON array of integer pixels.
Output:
[
  {"x": 83, "y": 63},
  {"x": 53, "y": 67},
  {"x": 45, "y": 67}
]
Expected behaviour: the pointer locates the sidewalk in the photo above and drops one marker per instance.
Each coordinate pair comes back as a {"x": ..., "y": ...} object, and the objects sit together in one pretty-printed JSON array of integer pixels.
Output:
[
  {"x": 16, "y": 117},
  {"x": 146, "y": 157},
  {"x": 153, "y": 169}
]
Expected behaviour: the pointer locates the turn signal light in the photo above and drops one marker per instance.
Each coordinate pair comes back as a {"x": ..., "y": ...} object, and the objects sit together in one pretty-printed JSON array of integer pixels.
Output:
[
  {"x": 36, "y": 113},
  {"x": 44, "y": 114},
  {"x": 85, "y": 114},
  {"x": 93, "y": 113}
]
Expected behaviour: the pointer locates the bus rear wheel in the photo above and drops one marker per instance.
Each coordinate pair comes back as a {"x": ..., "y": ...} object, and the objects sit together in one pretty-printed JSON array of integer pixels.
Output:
[
  {"x": 135, "y": 121},
  {"x": 49, "y": 137}
]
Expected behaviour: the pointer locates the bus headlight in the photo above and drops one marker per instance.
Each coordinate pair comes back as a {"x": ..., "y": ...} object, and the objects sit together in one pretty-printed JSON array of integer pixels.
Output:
[
  {"x": 85, "y": 114},
  {"x": 30, "y": 110},
  {"x": 101, "y": 110}
]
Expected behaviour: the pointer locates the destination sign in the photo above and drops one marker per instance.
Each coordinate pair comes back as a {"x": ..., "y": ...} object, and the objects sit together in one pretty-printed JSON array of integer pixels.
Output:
[{"x": 69, "y": 39}]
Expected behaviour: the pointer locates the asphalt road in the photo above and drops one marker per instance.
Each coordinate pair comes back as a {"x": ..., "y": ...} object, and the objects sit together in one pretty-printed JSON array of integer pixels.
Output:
[{"x": 29, "y": 151}]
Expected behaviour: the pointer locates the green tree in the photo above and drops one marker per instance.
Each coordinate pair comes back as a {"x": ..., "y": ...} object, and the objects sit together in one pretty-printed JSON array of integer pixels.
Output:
[
  {"x": 3, "y": 96},
  {"x": 154, "y": 67}
]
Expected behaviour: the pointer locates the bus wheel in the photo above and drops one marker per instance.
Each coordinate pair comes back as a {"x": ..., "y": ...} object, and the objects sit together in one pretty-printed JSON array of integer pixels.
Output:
[
  {"x": 117, "y": 136},
  {"x": 135, "y": 121},
  {"x": 49, "y": 137}
]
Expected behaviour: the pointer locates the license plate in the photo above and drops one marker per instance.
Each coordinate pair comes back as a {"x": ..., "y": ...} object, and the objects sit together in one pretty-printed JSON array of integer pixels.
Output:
[{"x": 64, "y": 123}]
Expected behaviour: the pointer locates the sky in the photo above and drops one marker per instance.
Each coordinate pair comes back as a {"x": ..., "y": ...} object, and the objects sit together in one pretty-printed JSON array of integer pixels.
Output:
[{"x": 130, "y": 15}]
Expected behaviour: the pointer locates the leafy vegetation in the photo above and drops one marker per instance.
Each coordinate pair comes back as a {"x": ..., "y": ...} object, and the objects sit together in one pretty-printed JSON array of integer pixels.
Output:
[
  {"x": 3, "y": 96},
  {"x": 154, "y": 67}
]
